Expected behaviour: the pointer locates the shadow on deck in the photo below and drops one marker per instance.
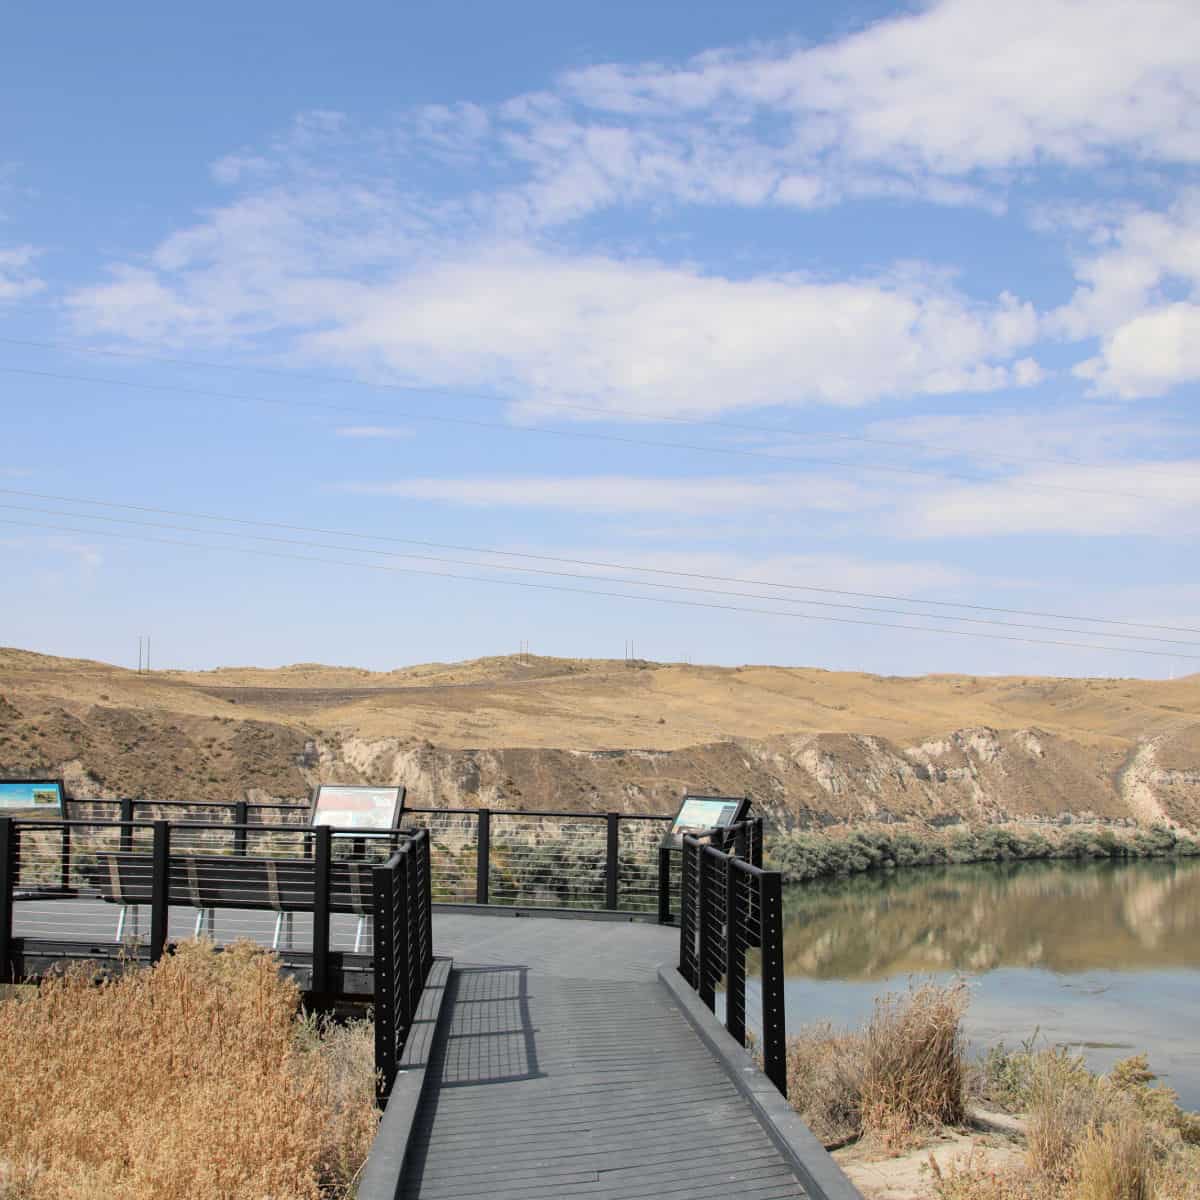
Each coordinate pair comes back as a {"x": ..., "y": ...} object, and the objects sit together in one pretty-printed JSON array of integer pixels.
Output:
[{"x": 564, "y": 1068}]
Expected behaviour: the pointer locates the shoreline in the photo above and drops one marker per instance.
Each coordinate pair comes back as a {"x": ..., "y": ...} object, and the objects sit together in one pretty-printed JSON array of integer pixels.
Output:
[{"x": 803, "y": 856}]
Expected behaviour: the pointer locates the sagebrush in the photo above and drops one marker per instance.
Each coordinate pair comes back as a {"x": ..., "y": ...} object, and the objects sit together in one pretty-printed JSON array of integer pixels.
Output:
[{"x": 192, "y": 1080}]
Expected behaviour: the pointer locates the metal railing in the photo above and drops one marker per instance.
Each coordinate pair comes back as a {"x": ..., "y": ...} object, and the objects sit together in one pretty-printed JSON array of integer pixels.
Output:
[
  {"x": 402, "y": 904},
  {"x": 233, "y": 812},
  {"x": 81, "y": 888},
  {"x": 565, "y": 860},
  {"x": 538, "y": 860},
  {"x": 731, "y": 910}
]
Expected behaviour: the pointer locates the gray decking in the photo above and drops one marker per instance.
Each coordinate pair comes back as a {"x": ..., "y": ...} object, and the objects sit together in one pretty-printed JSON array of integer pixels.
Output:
[{"x": 565, "y": 1069}]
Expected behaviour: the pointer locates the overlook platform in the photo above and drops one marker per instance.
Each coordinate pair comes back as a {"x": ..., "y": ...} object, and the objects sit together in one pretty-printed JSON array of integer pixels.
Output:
[{"x": 564, "y": 1067}]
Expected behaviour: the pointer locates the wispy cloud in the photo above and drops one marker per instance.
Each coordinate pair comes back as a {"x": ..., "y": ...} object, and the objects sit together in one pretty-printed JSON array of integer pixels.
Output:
[
  {"x": 1152, "y": 499},
  {"x": 374, "y": 432},
  {"x": 1139, "y": 292},
  {"x": 17, "y": 278},
  {"x": 431, "y": 251},
  {"x": 621, "y": 494},
  {"x": 1147, "y": 499}
]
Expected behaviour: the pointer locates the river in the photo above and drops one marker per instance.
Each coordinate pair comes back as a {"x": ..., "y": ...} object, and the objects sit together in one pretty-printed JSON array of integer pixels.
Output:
[{"x": 1102, "y": 956}]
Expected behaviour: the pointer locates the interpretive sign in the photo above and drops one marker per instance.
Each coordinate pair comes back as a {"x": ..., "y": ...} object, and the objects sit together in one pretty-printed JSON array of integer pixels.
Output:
[
  {"x": 31, "y": 798},
  {"x": 352, "y": 806},
  {"x": 699, "y": 814}
]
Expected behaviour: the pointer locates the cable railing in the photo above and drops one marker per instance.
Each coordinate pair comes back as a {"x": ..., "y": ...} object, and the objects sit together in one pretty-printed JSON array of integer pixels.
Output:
[
  {"x": 238, "y": 870},
  {"x": 403, "y": 954},
  {"x": 88, "y": 888},
  {"x": 546, "y": 860},
  {"x": 731, "y": 921}
]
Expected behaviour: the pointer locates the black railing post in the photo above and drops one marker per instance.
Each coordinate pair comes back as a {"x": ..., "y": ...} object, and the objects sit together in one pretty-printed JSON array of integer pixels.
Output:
[
  {"x": 9, "y": 837},
  {"x": 126, "y": 824},
  {"x": 664, "y": 885},
  {"x": 384, "y": 907},
  {"x": 483, "y": 856},
  {"x": 705, "y": 918},
  {"x": 320, "y": 934},
  {"x": 756, "y": 842},
  {"x": 412, "y": 934},
  {"x": 160, "y": 889},
  {"x": 687, "y": 912},
  {"x": 774, "y": 1025},
  {"x": 241, "y": 818},
  {"x": 735, "y": 955},
  {"x": 402, "y": 940},
  {"x": 612, "y": 860},
  {"x": 427, "y": 932},
  {"x": 741, "y": 841},
  {"x": 64, "y": 875}
]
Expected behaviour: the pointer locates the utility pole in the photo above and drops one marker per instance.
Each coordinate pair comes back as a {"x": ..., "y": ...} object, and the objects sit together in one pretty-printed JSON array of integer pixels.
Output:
[
  {"x": 147, "y": 652},
  {"x": 139, "y": 653}
]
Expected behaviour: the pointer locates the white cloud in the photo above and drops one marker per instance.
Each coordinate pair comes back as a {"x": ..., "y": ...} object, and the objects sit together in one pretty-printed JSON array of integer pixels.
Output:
[
  {"x": 1154, "y": 499},
  {"x": 751, "y": 572},
  {"x": 1134, "y": 254},
  {"x": 17, "y": 280},
  {"x": 86, "y": 555},
  {"x": 1139, "y": 291},
  {"x": 334, "y": 251},
  {"x": 623, "y": 494},
  {"x": 530, "y": 325},
  {"x": 1089, "y": 432},
  {"x": 1150, "y": 354},
  {"x": 1149, "y": 499},
  {"x": 374, "y": 432},
  {"x": 1074, "y": 82},
  {"x": 1030, "y": 79}
]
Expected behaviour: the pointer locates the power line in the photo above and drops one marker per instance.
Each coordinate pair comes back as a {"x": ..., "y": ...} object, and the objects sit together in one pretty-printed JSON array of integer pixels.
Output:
[
  {"x": 524, "y": 583},
  {"x": 895, "y": 612},
  {"x": 540, "y": 430},
  {"x": 566, "y": 406},
  {"x": 581, "y": 562}
]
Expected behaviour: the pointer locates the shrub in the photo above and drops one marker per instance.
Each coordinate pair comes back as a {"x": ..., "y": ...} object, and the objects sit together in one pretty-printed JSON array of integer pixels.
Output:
[
  {"x": 1006, "y": 1074},
  {"x": 185, "y": 1081},
  {"x": 914, "y": 1062},
  {"x": 1114, "y": 1163},
  {"x": 970, "y": 1177},
  {"x": 903, "y": 1075},
  {"x": 1065, "y": 1100},
  {"x": 824, "y": 1070}
]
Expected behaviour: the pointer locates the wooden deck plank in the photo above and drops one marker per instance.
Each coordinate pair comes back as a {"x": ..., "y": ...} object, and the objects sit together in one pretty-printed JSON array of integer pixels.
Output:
[{"x": 565, "y": 1070}]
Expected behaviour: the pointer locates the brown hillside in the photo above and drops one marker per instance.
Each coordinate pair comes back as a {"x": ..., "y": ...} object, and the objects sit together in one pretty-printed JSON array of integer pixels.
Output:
[{"x": 811, "y": 744}]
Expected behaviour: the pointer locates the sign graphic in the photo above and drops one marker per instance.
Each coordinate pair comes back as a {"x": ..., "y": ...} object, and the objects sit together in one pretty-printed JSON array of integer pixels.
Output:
[
  {"x": 699, "y": 814},
  {"x": 348, "y": 806},
  {"x": 31, "y": 798}
]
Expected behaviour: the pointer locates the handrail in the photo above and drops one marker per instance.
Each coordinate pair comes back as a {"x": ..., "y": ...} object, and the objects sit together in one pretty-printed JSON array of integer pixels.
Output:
[
  {"x": 403, "y": 953},
  {"x": 729, "y": 906},
  {"x": 532, "y": 859},
  {"x": 64, "y": 865}
]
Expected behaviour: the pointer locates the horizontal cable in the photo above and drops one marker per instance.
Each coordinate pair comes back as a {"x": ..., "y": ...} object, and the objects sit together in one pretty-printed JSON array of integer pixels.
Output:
[
  {"x": 542, "y": 431},
  {"x": 796, "y": 587},
  {"x": 566, "y": 406},
  {"x": 605, "y": 594}
]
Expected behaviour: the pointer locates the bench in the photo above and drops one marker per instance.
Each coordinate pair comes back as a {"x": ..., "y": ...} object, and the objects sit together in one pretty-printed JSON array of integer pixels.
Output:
[{"x": 208, "y": 882}]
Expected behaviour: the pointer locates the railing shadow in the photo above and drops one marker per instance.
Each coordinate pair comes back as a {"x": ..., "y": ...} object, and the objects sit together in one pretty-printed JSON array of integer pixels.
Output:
[{"x": 488, "y": 1037}]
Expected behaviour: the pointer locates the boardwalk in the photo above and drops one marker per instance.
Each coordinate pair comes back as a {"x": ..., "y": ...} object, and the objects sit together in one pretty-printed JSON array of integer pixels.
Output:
[{"x": 565, "y": 1070}]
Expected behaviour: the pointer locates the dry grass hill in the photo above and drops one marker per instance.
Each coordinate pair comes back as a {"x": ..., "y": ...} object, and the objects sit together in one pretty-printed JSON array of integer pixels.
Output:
[{"x": 809, "y": 745}]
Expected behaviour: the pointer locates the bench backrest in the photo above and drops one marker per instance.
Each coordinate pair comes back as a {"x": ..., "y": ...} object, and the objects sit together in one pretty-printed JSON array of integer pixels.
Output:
[{"x": 228, "y": 881}]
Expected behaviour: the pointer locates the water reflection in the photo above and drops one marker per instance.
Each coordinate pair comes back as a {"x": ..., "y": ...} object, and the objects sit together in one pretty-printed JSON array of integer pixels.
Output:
[
  {"x": 1062, "y": 917},
  {"x": 1101, "y": 956}
]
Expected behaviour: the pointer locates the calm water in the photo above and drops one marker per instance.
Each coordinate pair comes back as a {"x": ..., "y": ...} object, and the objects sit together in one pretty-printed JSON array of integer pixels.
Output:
[{"x": 1104, "y": 956}]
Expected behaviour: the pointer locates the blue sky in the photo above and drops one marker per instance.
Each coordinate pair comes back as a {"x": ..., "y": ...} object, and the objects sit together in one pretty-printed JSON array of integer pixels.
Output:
[{"x": 851, "y": 301}]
